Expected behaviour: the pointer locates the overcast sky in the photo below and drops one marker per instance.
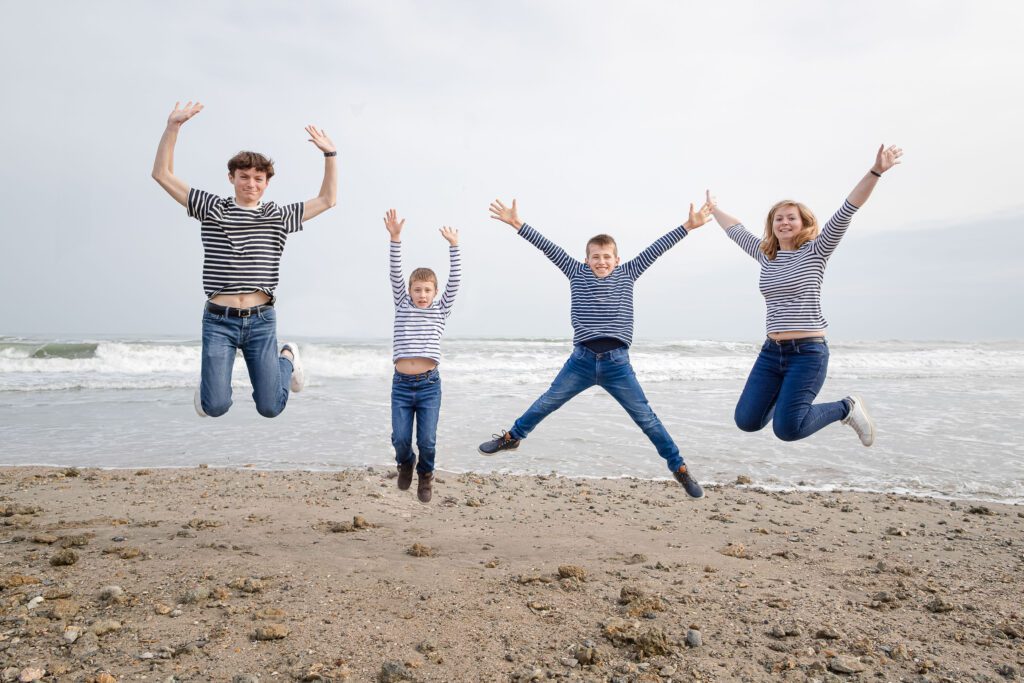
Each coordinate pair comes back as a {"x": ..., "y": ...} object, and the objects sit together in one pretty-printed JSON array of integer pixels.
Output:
[{"x": 598, "y": 116}]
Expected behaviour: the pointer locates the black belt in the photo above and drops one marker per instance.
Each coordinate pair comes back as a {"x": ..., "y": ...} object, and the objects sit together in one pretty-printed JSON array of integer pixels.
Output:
[
  {"x": 217, "y": 309},
  {"x": 801, "y": 340}
]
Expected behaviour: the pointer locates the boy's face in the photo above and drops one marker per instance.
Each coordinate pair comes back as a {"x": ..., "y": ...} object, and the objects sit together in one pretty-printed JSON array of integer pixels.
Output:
[
  {"x": 250, "y": 185},
  {"x": 602, "y": 259},
  {"x": 422, "y": 293}
]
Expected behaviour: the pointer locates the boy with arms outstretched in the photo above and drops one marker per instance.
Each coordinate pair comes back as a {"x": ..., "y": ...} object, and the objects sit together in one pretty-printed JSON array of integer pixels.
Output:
[
  {"x": 416, "y": 384},
  {"x": 243, "y": 239},
  {"x": 602, "y": 319}
]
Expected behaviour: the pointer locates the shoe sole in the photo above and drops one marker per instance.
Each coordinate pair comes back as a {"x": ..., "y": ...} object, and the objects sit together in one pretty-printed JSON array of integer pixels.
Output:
[
  {"x": 867, "y": 415},
  {"x": 197, "y": 402},
  {"x": 295, "y": 386},
  {"x": 482, "y": 452}
]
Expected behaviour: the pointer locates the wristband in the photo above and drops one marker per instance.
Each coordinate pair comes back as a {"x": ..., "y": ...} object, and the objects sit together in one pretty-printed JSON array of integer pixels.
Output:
[
  {"x": 877, "y": 175},
  {"x": 334, "y": 154}
]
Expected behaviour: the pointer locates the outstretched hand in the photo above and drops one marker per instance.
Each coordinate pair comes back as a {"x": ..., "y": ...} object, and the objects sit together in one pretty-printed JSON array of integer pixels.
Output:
[
  {"x": 506, "y": 214},
  {"x": 450, "y": 234},
  {"x": 182, "y": 114},
  {"x": 319, "y": 138},
  {"x": 702, "y": 215},
  {"x": 886, "y": 158},
  {"x": 393, "y": 225}
]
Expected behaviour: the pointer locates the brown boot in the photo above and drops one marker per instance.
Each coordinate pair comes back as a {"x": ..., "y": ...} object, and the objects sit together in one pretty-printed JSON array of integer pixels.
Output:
[
  {"x": 423, "y": 486},
  {"x": 405, "y": 475}
]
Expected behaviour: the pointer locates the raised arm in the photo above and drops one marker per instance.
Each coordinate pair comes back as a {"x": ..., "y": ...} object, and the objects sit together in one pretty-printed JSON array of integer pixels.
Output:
[
  {"x": 557, "y": 255},
  {"x": 328, "y": 196},
  {"x": 833, "y": 230},
  {"x": 394, "y": 228},
  {"x": 451, "y": 287},
  {"x": 163, "y": 165},
  {"x": 735, "y": 230},
  {"x": 646, "y": 258}
]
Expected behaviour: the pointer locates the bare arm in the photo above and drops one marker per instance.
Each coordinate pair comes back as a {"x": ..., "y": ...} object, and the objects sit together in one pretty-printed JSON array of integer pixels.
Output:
[
  {"x": 724, "y": 220},
  {"x": 885, "y": 158},
  {"x": 451, "y": 288},
  {"x": 328, "y": 196},
  {"x": 163, "y": 165},
  {"x": 394, "y": 228}
]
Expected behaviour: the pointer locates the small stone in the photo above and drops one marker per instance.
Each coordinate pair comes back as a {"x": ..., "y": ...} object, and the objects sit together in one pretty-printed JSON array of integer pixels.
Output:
[
  {"x": 827, "y": 633},
  {"x": 64, "y": 558},
  {"x": 31, "y": 673},
  {"x": 938, "y": 605},
  {"x": 272, "y": 632},
  {"x": 71, "y": 634},
  {"x": 567, "y": 571},
  {"x": 569, "y": 662},
  {"x": 420, "y": 550},
  {"x": 245, "y": 678},
  {"x": 743, "y": 479},
  {"x": 392, "y": 672},
  {"x": 102, "y": 627},
  {"x": 112, "y": 594},
  {"x": 247, "y": 585},
  {"x": 76, "y": 541},
  {"x": 194, "y": 595},
  {"x": 45, "y": 539},
  {"x": 693, "y": 638},
  {"x": 103, "y": 677},
  {"x": 161, "y": 608},
  {"x": 359, "y": 522},
  {"x": 35, "y": 602},
  {"x": 843, "y": 664}
]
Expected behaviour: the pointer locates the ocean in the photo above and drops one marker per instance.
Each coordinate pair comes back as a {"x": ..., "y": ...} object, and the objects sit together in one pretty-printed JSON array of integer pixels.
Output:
[{"x": 948, "y": 414}]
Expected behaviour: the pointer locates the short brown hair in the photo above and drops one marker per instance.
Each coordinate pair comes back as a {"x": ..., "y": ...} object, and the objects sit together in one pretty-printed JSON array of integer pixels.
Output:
[
  {"x": 253, "y": 160},
  {"x": 603, "y": 240},
  {"x": 423, "y": 275},
  {"x": 770, "y": 243}
]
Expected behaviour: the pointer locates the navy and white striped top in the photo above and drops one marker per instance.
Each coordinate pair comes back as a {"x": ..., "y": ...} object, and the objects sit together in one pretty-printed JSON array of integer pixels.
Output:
[
  {"x": 602, "y": 306},
  {"x": 242, "y": 247},
  {"x": 791, "y": 284},
  {"x": 418, "y": 330}
]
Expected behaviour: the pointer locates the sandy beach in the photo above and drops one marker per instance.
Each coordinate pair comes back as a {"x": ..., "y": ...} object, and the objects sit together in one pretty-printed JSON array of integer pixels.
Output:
[{"x": 211, "y": 574}]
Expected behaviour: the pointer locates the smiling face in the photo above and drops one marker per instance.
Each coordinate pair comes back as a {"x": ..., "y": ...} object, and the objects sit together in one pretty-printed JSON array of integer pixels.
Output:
[
  {"x": 602, "y": 255},
  {"x": 249, "y": 184},
  {"x": 787, "y": 224},
  {"x": 422, "y": 293}
]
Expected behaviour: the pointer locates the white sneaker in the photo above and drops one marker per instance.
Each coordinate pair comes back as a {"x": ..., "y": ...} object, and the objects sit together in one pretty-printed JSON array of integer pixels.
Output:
[
  {"x": 860, "y": 420},
  {"x": 197, "y": 401},
  {"x": 298, "y": 376}
]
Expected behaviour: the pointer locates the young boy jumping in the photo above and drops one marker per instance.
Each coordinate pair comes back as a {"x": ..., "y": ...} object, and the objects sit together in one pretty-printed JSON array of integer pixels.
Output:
[
  {"x": 243, "y": 239},
  {"x": 416, "y": 384},
  {"x": 602, "y": 319}
]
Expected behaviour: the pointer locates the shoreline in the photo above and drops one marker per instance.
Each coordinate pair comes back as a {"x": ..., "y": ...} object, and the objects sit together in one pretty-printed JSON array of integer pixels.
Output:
[{"x": 205, "y": 574}]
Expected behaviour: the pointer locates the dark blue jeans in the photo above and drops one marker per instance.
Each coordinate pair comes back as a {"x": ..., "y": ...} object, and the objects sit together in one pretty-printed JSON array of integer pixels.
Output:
[
  {"x": 612, "y": 372},
  {"x": 419, "y": 397},
  {"x": 269, "y": 373},
  {"x": 781, "y": 389}
]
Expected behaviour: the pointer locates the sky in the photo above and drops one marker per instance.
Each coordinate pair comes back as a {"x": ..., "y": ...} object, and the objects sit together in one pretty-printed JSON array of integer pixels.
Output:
[{"x": 597, "y": 116}]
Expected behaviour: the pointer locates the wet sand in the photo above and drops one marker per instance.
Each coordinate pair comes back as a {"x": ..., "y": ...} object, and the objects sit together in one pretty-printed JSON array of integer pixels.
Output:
[{"x": 240, "y": 575}]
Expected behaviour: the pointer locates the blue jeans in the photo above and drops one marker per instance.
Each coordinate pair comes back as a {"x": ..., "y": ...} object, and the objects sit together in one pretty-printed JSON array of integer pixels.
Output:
[
  {"x": 419, "y": 397},
  {"x": 782, "y": 387},
  {"x": 269, "y": 373},
  {"x": 612, "y": 372}
]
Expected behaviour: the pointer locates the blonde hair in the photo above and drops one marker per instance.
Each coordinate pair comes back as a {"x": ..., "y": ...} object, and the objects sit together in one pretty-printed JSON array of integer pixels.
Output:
[
  {"x": 602, "y": 240},
  {"x": 770, "y": 243},
  {"x": 423, "y": 275}
]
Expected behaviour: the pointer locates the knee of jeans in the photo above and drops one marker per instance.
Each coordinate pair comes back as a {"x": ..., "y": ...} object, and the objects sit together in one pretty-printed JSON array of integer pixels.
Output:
[
  {"x": 746, "y": 423},
  {"x": 785, "y": 430},
  {"x": 269, "y": 411},
  {"x": 217, "y": 409},
  {"x": 401, "y": 444}
]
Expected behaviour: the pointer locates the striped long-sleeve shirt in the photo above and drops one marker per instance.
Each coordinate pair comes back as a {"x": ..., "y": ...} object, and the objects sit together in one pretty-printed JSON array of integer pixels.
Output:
[
  {"x": 242, "y": 247},
  {"x": 791, "y": 283},
  {"x": 602, "y": 306},
  {"x": 418, "y": 330}
]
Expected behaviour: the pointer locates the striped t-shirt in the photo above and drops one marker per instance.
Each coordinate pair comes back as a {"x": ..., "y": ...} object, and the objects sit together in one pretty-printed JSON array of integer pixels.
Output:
[
  {"x": 242, "y": 247},
  {"x": 418, "y": 330},
  {"x": 791, "y": 283},
  {"x": 602, "y": 306}
]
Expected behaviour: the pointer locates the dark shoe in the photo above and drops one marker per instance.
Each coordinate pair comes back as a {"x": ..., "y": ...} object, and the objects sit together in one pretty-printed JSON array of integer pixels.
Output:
[
  {"x": 500, "y": 442},
  {"x": 423, "y": 486},
  {"x": 405, "y": 476},
  {"x": 693, "y": 489}
]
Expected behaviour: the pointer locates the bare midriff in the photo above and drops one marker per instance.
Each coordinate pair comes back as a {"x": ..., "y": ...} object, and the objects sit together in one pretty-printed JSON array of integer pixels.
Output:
[
  {"x": 795, "y": 334},
  {"x": 414, "y": 366},
  {"x": 247, "y": 300}
]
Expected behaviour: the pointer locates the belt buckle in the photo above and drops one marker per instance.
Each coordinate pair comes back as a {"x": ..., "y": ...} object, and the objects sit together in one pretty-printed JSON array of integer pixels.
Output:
[{"x": 244, "y": 312}]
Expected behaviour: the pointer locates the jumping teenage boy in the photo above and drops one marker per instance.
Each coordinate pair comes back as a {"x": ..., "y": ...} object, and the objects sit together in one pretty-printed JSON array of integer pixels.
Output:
[
  {"x": 416, "y": 384},
  {"x": 243, "y": 239},
  {"x": 601, "y": 290}
]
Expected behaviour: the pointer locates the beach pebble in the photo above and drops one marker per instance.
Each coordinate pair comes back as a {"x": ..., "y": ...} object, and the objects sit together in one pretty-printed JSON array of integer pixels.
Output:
[
  {"x": 247, "y": 585},
  {"x": 112, "y": 594},
  {"x": 693, "y": 638},
  {"x": 195, "y": 595},
  {"x": 567, "y": 571},
  {"x": 938, "y": 605},
  {"x": 245, "y": 678},
  {"x": 392, "y": 672},
  {"x": 420, "y": 550},
  {"x": 71, "y": 634},
  {"x": 272, "y": 632},
  {"x": 64, "y": 558},
  {"x": 827, "y": 633},
  {"x": 102, "y": 627},
  {"x": 570, "y": 662},
  {"x": 30, "y": 673},
  {"x": 45, "y": 539},
  {"x": 843, "y": 664},
  {"x": 75, "y": 541},
  {"x": 35, "y": 602},
  {"x": 743, "y": 479}
]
